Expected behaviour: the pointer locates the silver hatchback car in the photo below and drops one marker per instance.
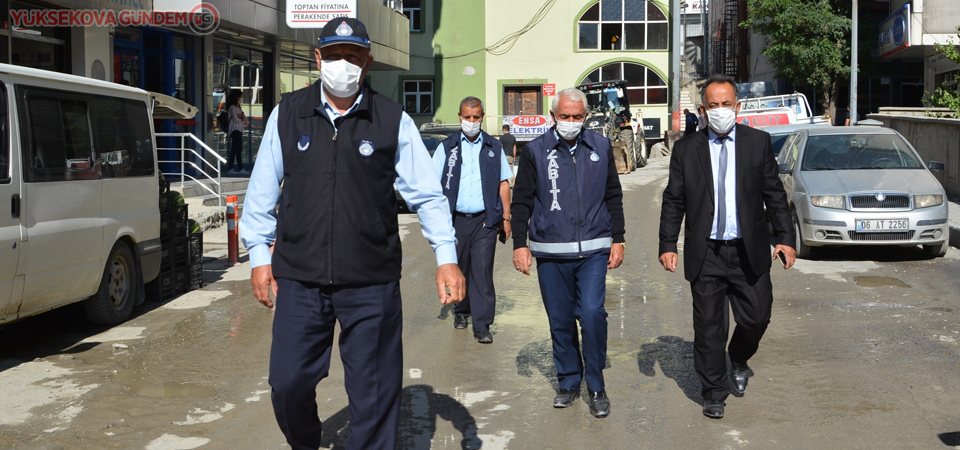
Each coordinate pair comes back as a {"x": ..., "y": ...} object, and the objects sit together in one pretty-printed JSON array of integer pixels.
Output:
[{"x": 862, "y": 186}]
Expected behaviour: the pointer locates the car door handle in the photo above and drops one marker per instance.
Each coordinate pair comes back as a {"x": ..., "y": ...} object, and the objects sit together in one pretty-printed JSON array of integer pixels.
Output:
[{"x": 15, "y": 206}]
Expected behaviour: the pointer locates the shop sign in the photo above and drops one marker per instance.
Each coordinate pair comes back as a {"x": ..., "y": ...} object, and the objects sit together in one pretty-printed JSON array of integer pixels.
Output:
[{"x": 316, "y": 14}]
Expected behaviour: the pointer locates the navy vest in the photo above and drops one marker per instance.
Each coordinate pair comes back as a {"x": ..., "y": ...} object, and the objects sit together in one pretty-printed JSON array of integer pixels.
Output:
[
  {"x": 337, "y": 218},
  {"x": 489, "y": 175},
  {"x": 570, "y": 217}
]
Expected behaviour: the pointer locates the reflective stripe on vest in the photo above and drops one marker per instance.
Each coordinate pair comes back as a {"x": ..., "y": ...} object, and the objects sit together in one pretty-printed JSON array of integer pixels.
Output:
[{"x": 570, "y": 247}]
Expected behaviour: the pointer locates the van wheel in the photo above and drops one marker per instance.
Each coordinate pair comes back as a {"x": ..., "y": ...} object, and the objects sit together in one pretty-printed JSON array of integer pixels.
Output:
[{"x": 113, "y": 302}]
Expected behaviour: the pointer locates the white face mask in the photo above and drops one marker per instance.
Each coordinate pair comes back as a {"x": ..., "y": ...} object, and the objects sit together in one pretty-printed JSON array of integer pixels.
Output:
[
  {"x": 568, "y": 130},
  {"x": 470, "y": 129},
  {"x": 340, "y": 78},
  {"x": 721, "y": 120}
]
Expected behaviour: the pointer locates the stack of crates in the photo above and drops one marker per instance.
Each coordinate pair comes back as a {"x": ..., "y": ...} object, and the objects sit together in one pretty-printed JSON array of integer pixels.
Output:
[{"x": 181, "y": 264}]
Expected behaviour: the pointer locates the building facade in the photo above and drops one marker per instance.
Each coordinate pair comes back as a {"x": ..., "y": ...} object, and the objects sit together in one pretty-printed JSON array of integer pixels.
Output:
[
  {"x": 252, "y": 50},
  {"x": 898, "y": 65},
  {"x": 516, "y": 55}
]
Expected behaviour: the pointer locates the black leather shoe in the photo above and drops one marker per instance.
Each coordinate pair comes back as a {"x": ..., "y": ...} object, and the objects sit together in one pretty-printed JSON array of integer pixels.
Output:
[
  {"x": 739, "y": 373},
  {"x": 599, "y": 404},
  {"x": 460, "y": 322},
  {"x": 713, "y": 408},
  {"x": 483, "y": 336},
  {"x": 565, "y": 398}
]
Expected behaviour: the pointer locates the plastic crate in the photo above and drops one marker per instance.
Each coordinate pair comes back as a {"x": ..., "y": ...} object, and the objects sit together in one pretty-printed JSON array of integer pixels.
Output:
[
  {"x": 166, "y": 285},
  {"x": 174, "y": 223},
  {"x": 196, "y": 276},
  {"x": 195, "y": 248},
  {"x": 177, "y": 282},
  {"x": 180, "y": 213},
  {"x": 181, "y": 251},
  {"x": 164, "y": 204}
]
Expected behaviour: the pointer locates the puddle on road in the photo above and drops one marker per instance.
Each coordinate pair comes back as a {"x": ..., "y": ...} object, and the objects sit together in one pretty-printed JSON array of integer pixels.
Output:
[
  {"x": 879, "y": 281},
  {"x": 156, "y": 389}
]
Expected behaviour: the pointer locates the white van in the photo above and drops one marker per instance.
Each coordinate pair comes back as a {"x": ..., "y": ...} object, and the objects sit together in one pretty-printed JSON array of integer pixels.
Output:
[{"x": 78, "y": 167}]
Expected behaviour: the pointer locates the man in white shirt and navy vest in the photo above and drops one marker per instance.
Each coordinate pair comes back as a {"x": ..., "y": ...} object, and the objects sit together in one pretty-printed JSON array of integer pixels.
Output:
[{"x": 475, "y": 175}]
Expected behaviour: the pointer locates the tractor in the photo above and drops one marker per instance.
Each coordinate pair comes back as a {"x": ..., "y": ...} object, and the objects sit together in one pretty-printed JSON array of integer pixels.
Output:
[{"x": 608, "y": 113}]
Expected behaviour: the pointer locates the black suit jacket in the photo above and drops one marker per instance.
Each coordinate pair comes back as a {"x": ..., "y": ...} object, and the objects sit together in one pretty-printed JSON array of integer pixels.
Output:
[{"x": 690, "y": 193}]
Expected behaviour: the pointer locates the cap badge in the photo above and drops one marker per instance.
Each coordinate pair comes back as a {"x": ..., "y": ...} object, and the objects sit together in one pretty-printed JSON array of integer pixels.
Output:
[{"x": 344, "y": 29}]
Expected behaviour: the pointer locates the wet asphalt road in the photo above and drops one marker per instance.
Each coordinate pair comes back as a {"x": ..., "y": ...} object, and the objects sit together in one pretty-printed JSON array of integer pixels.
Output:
[{"x": 861, "y": 354}]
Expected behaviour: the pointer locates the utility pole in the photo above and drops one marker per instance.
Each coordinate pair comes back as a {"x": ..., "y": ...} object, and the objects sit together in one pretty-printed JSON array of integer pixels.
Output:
[
  {"x": 675, "y": 59},
  {"x": 854, "y": 44},
  {"x": 706, "y": 38}
]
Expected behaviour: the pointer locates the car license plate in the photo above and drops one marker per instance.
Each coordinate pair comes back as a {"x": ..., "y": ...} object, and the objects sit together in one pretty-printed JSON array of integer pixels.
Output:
[{"x": 872, "y": 225}]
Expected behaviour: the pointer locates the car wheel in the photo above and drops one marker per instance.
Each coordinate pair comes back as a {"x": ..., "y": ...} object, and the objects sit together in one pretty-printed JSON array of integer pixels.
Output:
[
  {"x": 113, "y": 302},
  {"x": 803, "y": 251},
  {"x": 936, "y": 250}
]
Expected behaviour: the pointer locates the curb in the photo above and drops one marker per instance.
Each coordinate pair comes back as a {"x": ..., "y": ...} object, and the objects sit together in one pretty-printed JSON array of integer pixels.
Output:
[{"x": 955, "y": 236}]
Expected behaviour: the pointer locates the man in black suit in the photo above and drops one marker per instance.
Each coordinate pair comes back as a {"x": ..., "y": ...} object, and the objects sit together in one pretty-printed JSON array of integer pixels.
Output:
[{"x": 720, "y": 179}]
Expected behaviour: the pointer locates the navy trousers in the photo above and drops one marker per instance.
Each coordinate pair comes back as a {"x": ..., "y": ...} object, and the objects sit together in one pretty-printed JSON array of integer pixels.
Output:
[
  {"x": 370, "y": 320},
  {"x": 724, "y": 280},
  {"x": 476, "y": 245},
  {"x": 574, "y": 290}
]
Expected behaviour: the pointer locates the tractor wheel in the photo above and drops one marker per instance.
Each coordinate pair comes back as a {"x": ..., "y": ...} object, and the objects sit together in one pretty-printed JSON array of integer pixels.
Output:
[
  {"x": 623, "y": 151},
  {"x": 640, "y": 149}
]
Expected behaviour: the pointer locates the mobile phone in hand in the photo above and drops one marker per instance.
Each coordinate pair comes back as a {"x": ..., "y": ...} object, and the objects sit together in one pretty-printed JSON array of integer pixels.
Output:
[
  {"x": 502, "y": 237},
  {"x": 783, "y": 259}
]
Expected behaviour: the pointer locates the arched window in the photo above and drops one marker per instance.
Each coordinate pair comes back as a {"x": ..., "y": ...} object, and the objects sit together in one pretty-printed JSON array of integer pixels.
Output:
[
  {"x": 623, "y": 25},
  {"x": 644, "y": 86}
]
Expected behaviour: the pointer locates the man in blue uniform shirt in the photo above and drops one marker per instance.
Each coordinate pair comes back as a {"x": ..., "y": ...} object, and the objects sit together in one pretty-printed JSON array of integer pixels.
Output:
[
  {"x": 568, "y": 189},
  {"x": 475, "y": 177},
  {"x": 335, "y": 243}
]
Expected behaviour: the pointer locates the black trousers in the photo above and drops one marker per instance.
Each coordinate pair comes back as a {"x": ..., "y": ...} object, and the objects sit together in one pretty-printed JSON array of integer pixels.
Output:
[
  {"x": 236, "y": 150},
  {"x": 476, "y": 245},
  {"x": 370, "y": 348},
  {"x": 725, "y": 279}
]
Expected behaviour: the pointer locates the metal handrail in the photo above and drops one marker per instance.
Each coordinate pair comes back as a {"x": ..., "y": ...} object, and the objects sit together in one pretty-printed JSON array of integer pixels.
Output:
[{"x": 183, "y": 163}]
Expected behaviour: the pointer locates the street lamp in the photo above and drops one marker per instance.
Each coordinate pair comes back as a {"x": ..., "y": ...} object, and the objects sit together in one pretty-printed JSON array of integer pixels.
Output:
[{"x": 854, "y": 43}]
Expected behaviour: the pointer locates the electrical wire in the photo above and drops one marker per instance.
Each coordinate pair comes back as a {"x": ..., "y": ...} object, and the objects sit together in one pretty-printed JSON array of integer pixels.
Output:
[{"x": 505, "y": 44}]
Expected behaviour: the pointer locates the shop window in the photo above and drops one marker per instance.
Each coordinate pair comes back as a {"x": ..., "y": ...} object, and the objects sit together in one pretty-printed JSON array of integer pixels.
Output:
[
  {"x": 644, "y": 86},
  {"x": 623, "y": 25},
  {"x": 418, "y": 96},
  {"x": 411, "y": 9},
  {"x": 295, "y": 73}
]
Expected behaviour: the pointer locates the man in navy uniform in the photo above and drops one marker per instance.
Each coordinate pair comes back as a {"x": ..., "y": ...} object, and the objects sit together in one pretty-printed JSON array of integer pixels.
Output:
[
  {"x": 337, "y": 146},
  {"x": 475, "y": 177},
  {"x": 568, "y": 189}
]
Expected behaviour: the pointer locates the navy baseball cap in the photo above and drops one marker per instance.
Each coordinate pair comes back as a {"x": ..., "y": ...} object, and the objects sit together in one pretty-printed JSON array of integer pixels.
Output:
[{"x": 344, "y": 30}]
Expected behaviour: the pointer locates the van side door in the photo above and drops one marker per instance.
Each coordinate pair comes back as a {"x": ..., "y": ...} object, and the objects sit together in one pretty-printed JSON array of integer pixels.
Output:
[
  {"x": 62, "y": 198},
  {"x": 10, "y": 242}
]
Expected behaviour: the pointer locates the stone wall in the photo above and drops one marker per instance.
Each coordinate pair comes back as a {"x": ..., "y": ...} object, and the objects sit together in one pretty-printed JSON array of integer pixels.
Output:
[{"x": 936, "y": 139}]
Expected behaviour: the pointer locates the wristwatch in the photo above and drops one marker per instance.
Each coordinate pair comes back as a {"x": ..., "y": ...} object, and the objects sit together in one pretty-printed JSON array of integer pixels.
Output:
[{"x": 624, "y": 244}]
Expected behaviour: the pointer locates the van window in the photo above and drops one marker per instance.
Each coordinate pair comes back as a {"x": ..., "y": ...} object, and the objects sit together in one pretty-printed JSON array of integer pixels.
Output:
[
  {"x": 57, "y": 137},
  {"x": 4, "y": 138},
  {"x": 122, "y": 137}
]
